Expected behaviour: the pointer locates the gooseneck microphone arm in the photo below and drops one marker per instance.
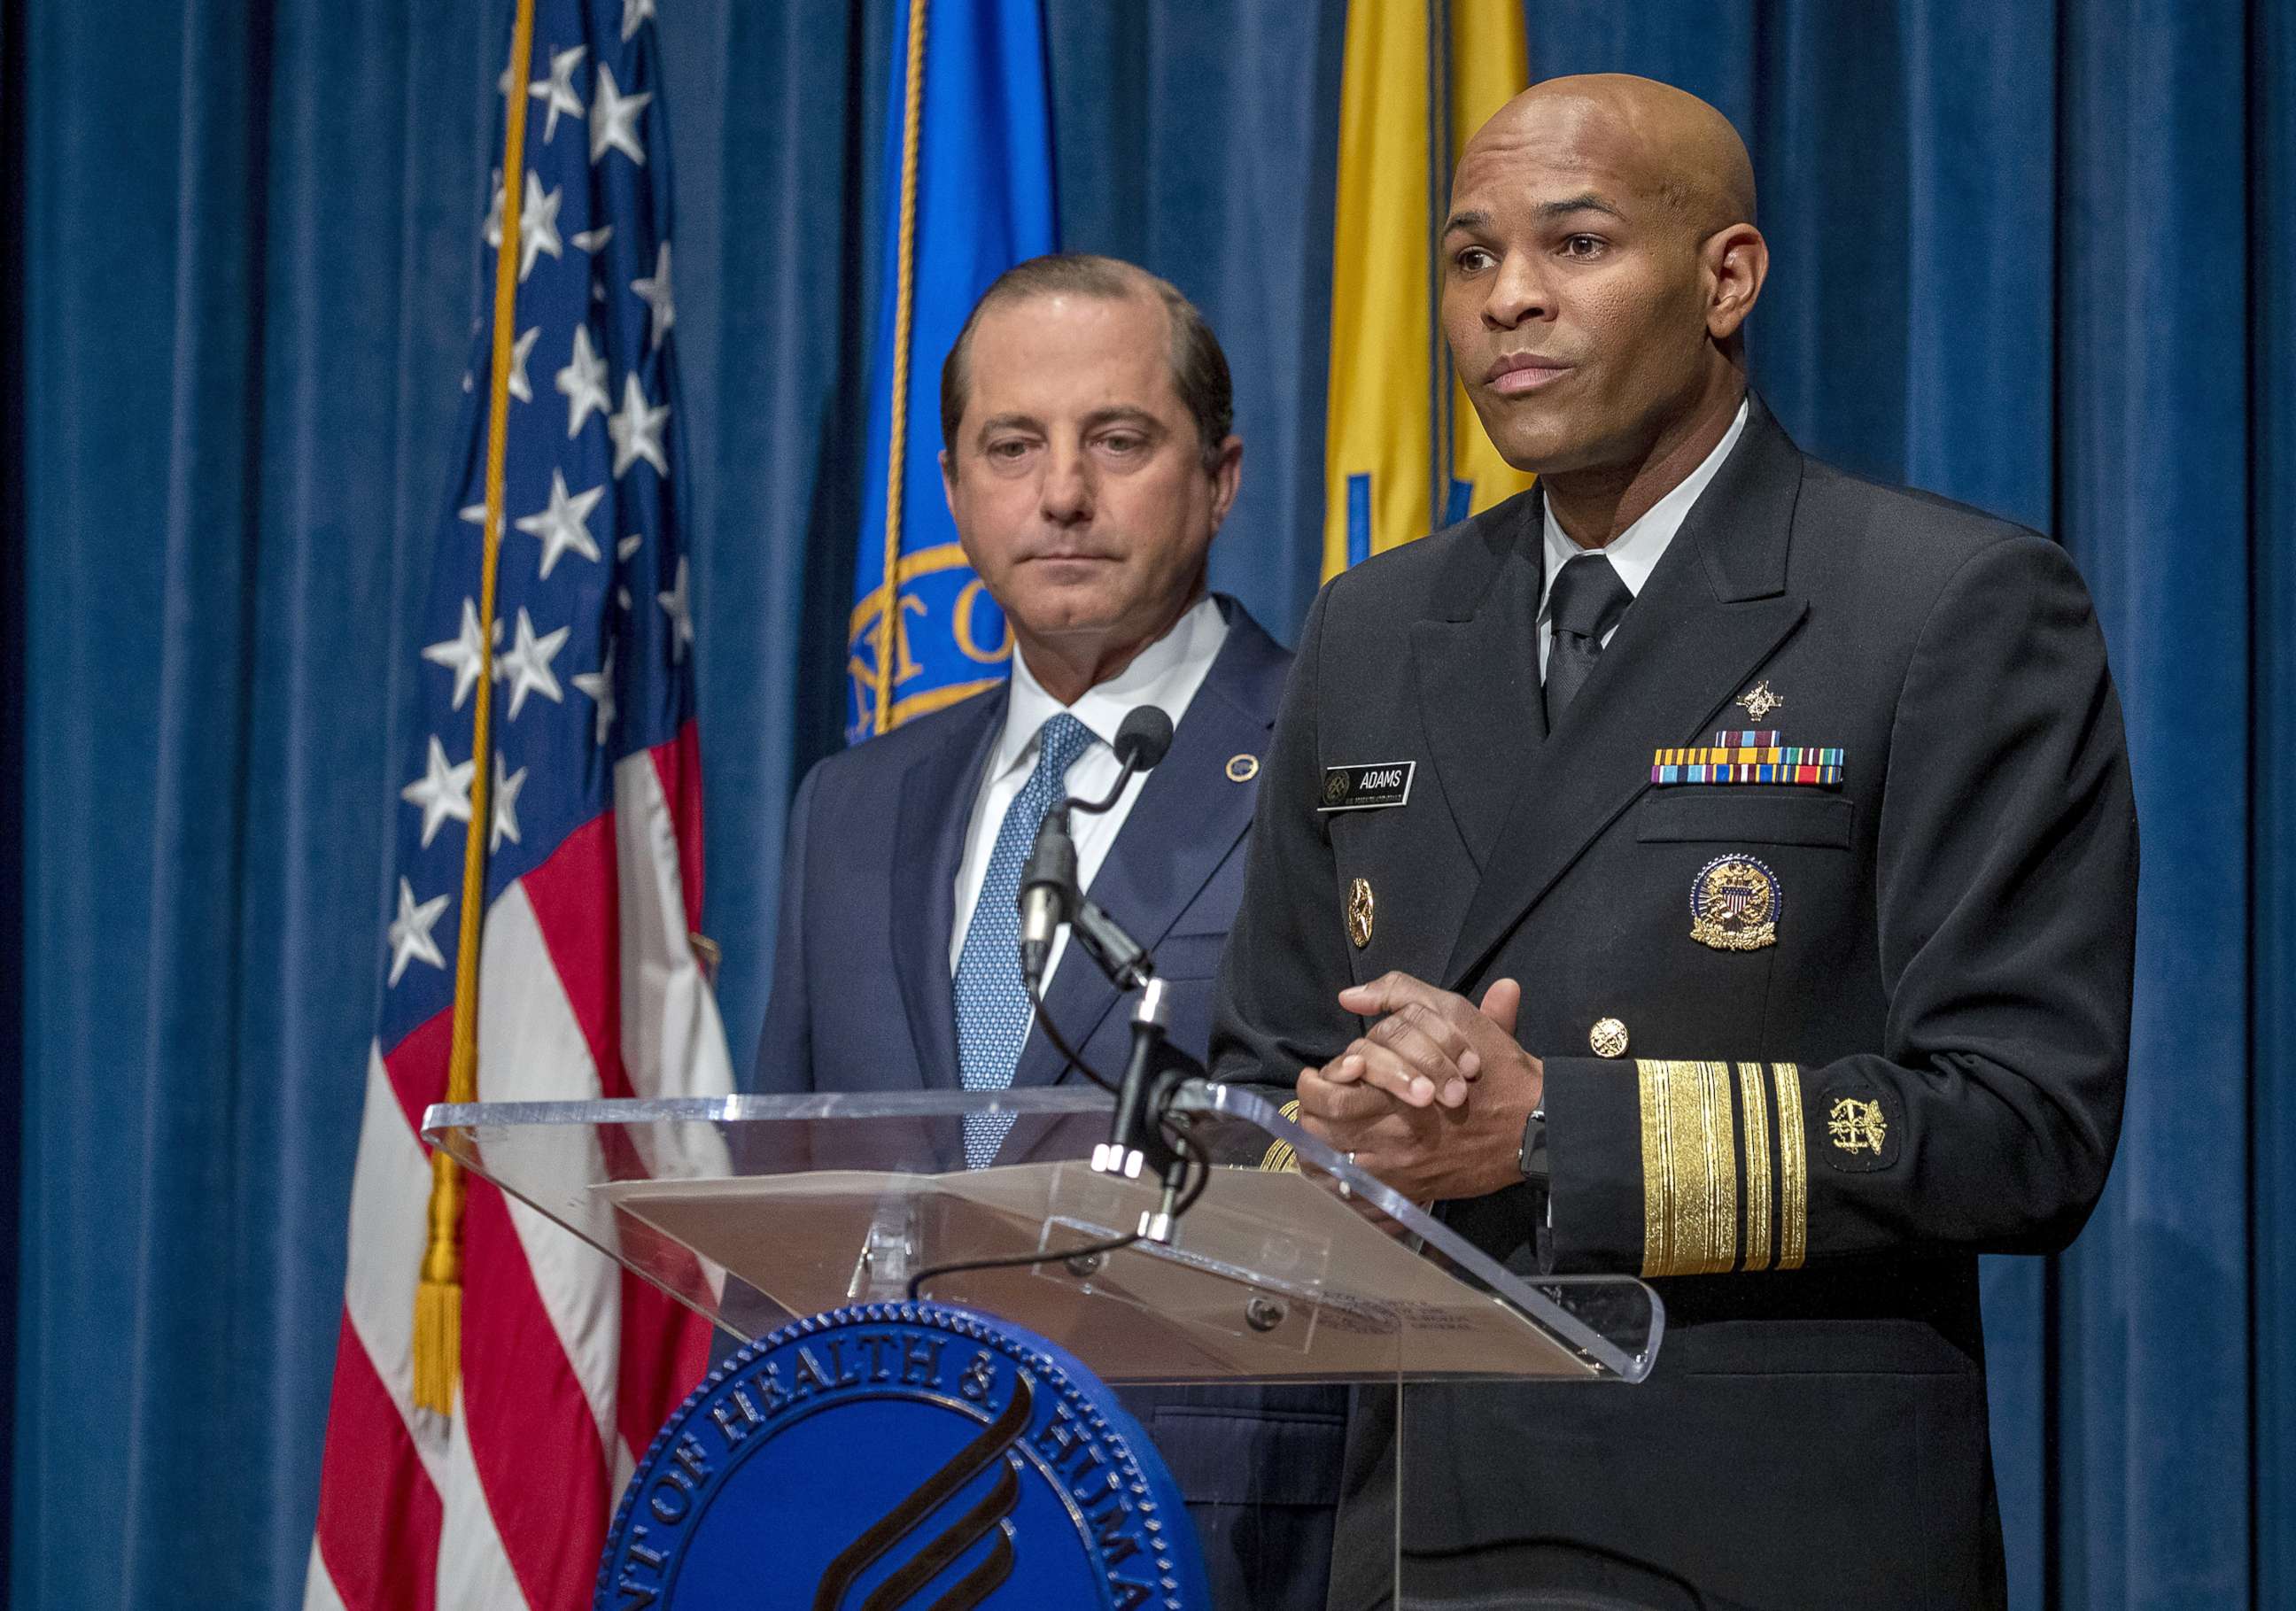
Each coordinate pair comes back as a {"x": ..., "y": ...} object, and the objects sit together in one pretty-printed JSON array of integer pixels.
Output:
[
  {"x": 1049, "y": 896},
  {"x": 1155, "y": 1069}
]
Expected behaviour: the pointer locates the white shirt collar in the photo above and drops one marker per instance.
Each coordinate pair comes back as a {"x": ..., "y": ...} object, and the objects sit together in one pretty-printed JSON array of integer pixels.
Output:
[
  {"x": 1166, "y": 674},
  {"x": 1635, "y": 552}
]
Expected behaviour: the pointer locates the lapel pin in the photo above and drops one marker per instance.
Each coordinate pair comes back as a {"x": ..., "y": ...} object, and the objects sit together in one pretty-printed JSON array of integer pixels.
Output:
[
  {"x": 1359, "y": 907},
  {"x": 1760, "y": 700},
  {"x": 1242, "y": 768}
]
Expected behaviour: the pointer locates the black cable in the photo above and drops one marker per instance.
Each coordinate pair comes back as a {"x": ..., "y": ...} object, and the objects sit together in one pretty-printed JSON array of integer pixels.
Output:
[
  {"x": 1182, "y": 1142},
  {"x": 1040, "y": 1255},
  {"x": 1185, "y": 1144}
]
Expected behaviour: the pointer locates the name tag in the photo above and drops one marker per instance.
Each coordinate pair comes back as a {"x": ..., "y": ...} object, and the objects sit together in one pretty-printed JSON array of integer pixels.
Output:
[{"x": 1372, "y": 787}]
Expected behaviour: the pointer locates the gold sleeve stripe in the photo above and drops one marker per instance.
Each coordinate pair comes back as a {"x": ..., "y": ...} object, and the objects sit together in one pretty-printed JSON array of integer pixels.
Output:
[
  {"x": 1719, "y": 1141},
  {"x": 1793, "y": 1168},
  {"x": 1690, "y": 1168},
  {"x": 1658, "y": 1184},
  {"x": 1280, "y": 1155},
  {"x": 1753, "y": 1098}
]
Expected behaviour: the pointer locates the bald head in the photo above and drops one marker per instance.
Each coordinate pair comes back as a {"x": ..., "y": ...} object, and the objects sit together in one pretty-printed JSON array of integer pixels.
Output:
[
  {"x": 1599, "y": 260},
  {"x": 1671, "y": 145}
]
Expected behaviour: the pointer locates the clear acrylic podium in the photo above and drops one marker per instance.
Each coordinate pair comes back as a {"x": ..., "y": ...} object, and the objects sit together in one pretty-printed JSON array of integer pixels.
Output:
[{"x": 756, "y": 1210}]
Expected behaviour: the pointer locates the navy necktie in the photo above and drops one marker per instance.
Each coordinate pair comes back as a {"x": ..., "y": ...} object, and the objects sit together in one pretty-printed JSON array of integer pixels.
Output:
[
  {"x": 992, "y": 1003},
  {"x": 1585, "y": 603}
]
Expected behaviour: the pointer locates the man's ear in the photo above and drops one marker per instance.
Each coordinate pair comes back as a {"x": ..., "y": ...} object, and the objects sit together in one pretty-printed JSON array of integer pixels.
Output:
[
  {"x": 1736, "y": 261},
  {"x": 1227, "y": 478},
  {"x": 948, "y": 482}
]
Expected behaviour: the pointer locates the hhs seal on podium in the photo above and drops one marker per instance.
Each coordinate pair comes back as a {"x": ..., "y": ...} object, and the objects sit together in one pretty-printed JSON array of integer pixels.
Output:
[{"x": 902, "y": 1455}]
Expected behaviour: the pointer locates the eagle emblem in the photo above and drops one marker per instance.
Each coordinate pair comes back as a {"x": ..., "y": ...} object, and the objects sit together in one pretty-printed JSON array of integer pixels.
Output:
[{"x": 1733, "y": 904}]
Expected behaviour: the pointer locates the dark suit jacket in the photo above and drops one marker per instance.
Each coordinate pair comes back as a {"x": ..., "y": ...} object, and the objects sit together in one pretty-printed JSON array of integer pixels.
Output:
[
  {"x": 862, "y": 1001},
  {"x": 1805, "y": 1145}
]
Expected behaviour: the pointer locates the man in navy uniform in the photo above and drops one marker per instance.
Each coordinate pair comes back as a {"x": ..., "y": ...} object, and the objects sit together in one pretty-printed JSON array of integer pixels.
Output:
[
  {"x": 1086, "y": 409},
  {"x": 1757, "y": 916}
]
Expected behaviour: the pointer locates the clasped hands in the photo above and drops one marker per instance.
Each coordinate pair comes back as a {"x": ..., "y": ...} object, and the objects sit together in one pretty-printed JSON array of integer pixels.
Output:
[{"x": 1432, "y": 1097}]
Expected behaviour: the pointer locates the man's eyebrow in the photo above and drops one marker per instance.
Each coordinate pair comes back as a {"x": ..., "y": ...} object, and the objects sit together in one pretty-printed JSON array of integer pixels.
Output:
[
  {"x": 1473, "y": 219},
  {"x": 996, "y": 422},
  {"x": 1586, "y": 201},
  {"x": 1122, "y": 414}
]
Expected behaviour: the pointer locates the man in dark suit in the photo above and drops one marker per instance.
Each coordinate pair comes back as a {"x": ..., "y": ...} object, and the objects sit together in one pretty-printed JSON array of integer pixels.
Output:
[
  {"x": 1758, "y": 918},
  {"x": 1086, "y": 410}
]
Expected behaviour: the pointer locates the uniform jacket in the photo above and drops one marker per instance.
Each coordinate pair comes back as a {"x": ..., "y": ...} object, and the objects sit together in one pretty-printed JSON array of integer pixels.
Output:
[
  {"x": 1806, "y": 1141},
  {"x": 862, "y": 1001}
]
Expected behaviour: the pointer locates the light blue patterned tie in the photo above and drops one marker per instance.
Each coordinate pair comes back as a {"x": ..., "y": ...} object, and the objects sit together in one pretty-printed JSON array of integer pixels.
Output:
[{"x": 992, "y": 1003}]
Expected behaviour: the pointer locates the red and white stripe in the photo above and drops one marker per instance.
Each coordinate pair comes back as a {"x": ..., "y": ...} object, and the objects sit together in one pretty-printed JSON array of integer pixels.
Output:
[{"x": 588, "y": 987}]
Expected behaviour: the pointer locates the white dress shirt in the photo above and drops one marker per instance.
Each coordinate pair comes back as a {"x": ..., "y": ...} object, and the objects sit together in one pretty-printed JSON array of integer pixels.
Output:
[
  {"x": 1635, "y": 552},
  {"x": 1166, "y": 674}
]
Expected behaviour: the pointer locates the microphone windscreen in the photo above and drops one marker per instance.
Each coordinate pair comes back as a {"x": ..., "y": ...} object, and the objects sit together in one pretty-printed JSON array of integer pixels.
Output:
[{"x": 1143, "y": 737}]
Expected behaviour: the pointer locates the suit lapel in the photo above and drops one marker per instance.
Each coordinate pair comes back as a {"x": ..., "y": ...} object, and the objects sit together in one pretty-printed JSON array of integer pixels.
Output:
[
  {"x": 1187, "y": 818},
  {"x": 1481, "y": 654},
  {"x": 1714, "y": 610},
  {"x": 928, "y": 842}
]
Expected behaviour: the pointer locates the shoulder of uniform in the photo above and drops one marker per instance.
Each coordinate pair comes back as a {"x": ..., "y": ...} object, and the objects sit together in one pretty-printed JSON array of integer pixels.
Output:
[
  {"x": 1444, "y": 573},
  {"x": 1905, "y": 515},
  {"x": 1910, "y": 547}
]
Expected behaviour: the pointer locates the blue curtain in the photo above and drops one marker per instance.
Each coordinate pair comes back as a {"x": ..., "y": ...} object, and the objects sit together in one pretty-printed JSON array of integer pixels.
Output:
[
  {"x": 11, "y": 732},
  {"x": 2035, "y": 257}
]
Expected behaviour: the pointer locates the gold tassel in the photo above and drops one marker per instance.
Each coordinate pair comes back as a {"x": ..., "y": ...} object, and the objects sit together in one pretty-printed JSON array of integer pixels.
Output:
[
  {"x": 438, "y": 1298},
  {"x": 438, "y": 1293}
]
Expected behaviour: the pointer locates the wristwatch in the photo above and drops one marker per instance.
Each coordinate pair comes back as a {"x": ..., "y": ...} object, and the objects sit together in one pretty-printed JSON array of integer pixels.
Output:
[{"x": 1533, "y": 1156}]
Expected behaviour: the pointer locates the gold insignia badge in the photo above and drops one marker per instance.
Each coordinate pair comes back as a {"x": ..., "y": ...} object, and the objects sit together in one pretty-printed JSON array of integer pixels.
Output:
[
  {"x": 1857, "y": 1125},
  {"x": 1759, "y": 700},
  {"x": 1733, "y": 904},
  {"x": 1335, "y": 787},
  {"x": 1608, "y": 1038},
  {"x": 1242, "y": 768},
  {"x": 1359, "y": 905}
]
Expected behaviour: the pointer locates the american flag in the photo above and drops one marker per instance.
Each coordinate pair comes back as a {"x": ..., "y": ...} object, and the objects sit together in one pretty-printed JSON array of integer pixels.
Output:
[{"x": 588, "y": 985}]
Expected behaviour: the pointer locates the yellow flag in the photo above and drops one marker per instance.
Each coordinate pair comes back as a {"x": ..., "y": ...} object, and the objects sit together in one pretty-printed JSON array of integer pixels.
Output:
[{"x": 1403, "y": 453}]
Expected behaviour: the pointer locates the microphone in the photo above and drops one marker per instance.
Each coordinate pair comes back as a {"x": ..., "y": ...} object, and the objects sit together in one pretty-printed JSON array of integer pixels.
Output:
[
  {"x": 1049, "y": 897},
  {"x": 1048, "y": 880},
  {"x": 1141, "y": 741}
]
